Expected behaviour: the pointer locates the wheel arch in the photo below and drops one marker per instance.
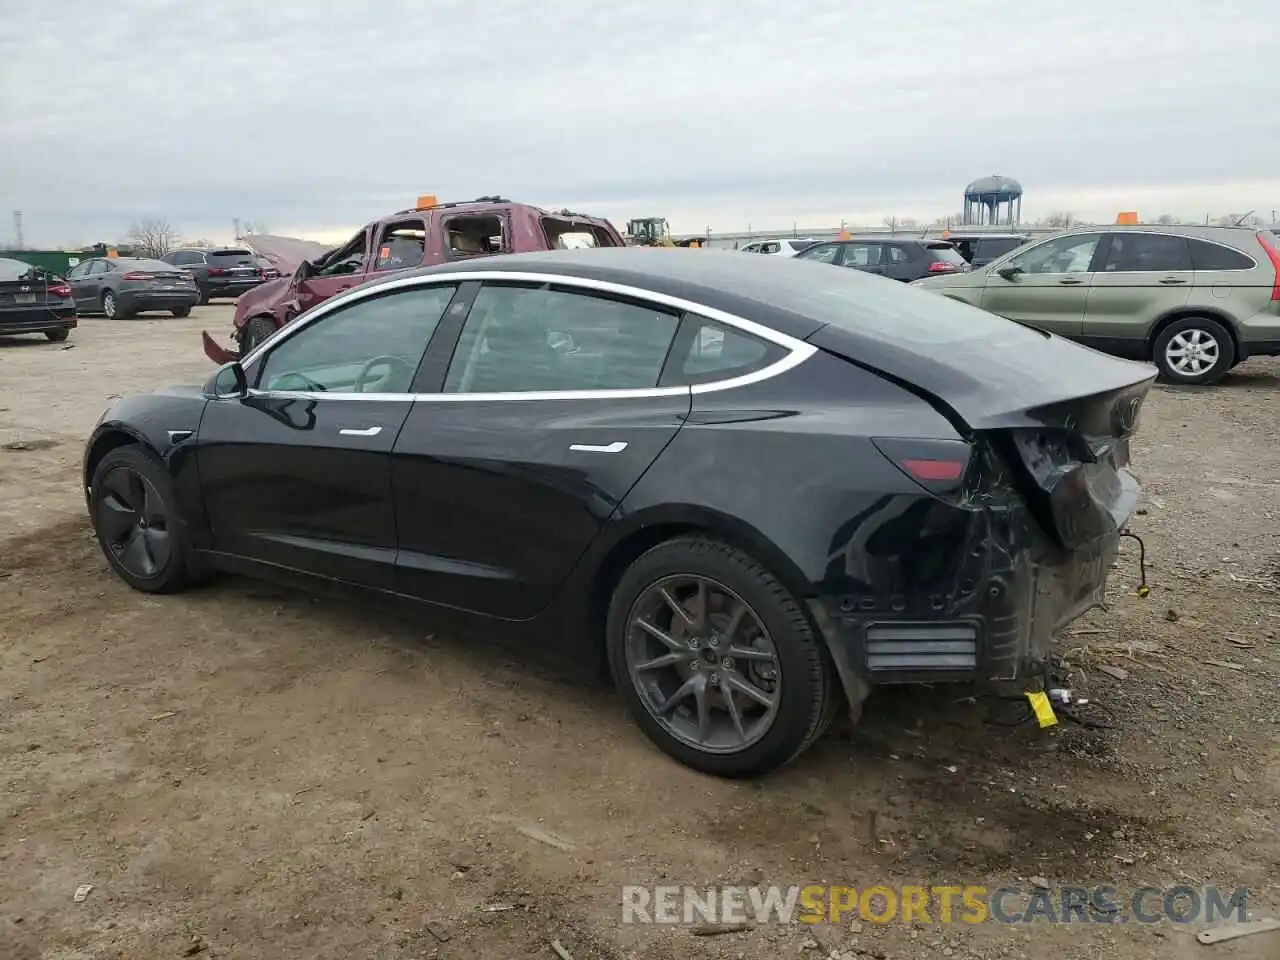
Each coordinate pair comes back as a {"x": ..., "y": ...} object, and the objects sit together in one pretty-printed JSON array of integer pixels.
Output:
[
  {"x": 110, "y": 438},
  {"x": 1187, "y": 313}
]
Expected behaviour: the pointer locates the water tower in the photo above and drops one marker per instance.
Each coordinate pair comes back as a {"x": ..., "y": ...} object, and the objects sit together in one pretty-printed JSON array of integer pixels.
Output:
[{"x": 993, "y": 201}]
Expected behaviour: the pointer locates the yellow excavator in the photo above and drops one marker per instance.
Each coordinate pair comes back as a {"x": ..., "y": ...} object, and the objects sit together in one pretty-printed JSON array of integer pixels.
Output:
[{"x": 649, "y": 232}]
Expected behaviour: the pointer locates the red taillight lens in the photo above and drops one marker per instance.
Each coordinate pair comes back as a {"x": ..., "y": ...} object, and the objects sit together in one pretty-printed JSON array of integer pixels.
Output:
[
  {"x": 1271, "y": 243},
  {"x": 60, "y": 290},
  {"x": 217, "y": 271},
  {"x": 940, "y": 267},
  {"x": 937, "y": 465},
  {"x": 137, "y": 275}
]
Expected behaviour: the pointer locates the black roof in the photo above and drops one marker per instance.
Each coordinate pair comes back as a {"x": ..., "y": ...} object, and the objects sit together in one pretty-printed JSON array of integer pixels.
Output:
[{"x": 784, "y": 292}]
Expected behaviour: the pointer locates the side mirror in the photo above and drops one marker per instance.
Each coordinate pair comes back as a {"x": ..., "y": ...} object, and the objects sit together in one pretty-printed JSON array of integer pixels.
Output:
[
  {"x": 1009, "y": 272},
  {"x": 228, "y": 383}
]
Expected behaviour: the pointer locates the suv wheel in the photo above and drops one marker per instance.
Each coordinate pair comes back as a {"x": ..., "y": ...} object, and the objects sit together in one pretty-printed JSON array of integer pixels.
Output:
[{"x": 1194, "y": 350}]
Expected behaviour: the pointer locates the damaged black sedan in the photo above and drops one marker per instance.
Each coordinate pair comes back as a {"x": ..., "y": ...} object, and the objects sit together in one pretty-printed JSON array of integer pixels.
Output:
[{"x": 754, "y": 488}]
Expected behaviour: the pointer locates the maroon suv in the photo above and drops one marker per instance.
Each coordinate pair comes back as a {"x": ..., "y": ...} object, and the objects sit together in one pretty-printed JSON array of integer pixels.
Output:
[{"x": 423, "y": 236}]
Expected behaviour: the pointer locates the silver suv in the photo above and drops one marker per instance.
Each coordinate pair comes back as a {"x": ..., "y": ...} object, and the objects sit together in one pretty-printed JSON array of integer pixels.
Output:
[{"x": 1193, "y": 300}]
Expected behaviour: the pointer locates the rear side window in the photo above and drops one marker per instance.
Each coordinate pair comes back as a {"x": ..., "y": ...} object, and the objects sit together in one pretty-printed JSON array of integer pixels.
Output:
[
  {"x": 822, "y": 253},
  {"x": 1146, "y": 253},
  {"x": 705, "y": 351},
  {"x": 945, "y": 253},
  {"x": 990, "y": 249},
  {"x": 1214, "y": 256}
]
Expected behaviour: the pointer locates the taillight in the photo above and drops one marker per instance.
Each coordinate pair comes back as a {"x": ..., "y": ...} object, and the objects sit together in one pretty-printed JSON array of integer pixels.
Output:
[
  {"x": 938, "y": 266},
  {"x": 60, "y": 290},
  {"x": 937, "y": 465},
  {"x": 137, "y": 275},
  {"x": 217, "y": 271},
  {"x": 1269, "y": 244}
]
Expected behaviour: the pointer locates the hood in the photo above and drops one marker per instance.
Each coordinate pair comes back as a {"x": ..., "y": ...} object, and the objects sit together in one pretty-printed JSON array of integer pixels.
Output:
[{"x": 284, "y": 253}]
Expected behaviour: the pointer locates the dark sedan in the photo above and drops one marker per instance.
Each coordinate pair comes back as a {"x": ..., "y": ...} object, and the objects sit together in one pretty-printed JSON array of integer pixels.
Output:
[
  {"x": 32, "y": 300},
  {"x": 897, "y": 258},
  {"x": 122, "y": 287},
  {"x": 755, "y": 487}
]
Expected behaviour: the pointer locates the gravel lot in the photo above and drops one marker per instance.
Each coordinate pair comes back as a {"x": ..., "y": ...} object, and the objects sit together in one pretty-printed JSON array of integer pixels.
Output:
[{"x": 242, "y": 771}]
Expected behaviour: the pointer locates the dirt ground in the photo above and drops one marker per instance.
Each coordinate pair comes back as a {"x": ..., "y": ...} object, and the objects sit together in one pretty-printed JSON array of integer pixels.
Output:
[{"x": 246, "y": 772}]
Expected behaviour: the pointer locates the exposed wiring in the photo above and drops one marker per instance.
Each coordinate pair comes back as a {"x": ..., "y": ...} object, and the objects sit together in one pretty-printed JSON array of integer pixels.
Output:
[{"x": 1143, "y": 589}]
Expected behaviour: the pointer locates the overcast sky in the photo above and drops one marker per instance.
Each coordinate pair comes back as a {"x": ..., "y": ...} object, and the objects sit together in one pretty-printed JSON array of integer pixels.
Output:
[{"x": 316, "y": 116}]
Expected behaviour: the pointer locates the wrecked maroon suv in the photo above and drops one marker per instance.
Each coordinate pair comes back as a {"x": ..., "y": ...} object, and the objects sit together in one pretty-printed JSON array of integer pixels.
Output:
[{"x": 423, "y": 236}]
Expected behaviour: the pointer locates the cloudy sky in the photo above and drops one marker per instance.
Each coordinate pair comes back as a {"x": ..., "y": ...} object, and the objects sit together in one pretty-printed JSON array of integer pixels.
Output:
[{"x": 314, "y": 116}]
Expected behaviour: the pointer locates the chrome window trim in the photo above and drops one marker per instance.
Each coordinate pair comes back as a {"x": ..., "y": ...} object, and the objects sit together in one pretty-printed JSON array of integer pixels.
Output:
[{"x": 797, "y": 350}]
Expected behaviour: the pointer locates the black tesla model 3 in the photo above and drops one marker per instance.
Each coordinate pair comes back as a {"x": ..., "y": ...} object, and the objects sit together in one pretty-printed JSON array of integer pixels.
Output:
[{"x": 755, "y": 487}]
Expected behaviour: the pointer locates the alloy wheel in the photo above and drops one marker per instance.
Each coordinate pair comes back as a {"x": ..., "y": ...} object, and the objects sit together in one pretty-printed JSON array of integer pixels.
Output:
[
  {"x": 109, "y": 305},
  {"x": 703, "y": 663},
  {"x": 132, "y": 522},
  {"x": 1192, "y": 352}
]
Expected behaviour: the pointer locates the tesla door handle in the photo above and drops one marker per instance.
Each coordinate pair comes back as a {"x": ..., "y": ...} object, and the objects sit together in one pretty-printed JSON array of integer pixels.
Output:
[
  {"x": 1171, "y": 280},
  {"x": 360, "y": 431},
  {"x": 616, "y": 447},
  {"x": 1069, "y": 282}
]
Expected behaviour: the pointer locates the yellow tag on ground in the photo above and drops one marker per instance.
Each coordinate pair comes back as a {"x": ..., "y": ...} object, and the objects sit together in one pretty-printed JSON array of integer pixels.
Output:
[{"x": 1043, "y": 709}]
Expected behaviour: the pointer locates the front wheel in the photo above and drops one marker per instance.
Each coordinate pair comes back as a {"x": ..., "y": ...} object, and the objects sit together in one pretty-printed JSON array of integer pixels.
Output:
[
  {"x": 255, "y": 331},
  {"x": 716, "y": 659},
  {"x": 135, "y": 518},
  {"x": 181, "y": 312},
  {"x": 57, "y": 336},
  {"x": 1194, "y": 350}
]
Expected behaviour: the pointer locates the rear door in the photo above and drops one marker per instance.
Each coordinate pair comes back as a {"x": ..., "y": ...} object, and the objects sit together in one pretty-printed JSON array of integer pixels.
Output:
[
  {"x": 864, "y": 255},
  {"x": 899, "y": 262},
  {"x": 1141, "y": 278},
  {"x": 548, "y": 413},
  {"x": 1048, "y": 284},
  {"x": 298, "y": 473}
]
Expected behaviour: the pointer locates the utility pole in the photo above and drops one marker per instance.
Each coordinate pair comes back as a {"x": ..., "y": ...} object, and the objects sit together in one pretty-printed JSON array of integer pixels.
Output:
[{"x": 18, "y": 240}]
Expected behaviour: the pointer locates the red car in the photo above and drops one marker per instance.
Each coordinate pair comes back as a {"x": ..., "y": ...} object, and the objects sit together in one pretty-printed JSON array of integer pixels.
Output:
[{"x": 421, "y": 236}]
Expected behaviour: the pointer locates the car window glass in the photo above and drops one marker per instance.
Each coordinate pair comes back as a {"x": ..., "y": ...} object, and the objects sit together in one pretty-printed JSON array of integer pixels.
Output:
[
  {"x": 97, "y": 268},
  {"x": 350, "y": 259},
  {"x": 770, "y": 248},
  {"x": 706, "y": 350},
  {"x": 989, "y": 249},
  {"x": 897, "y": 254},
  {"x": 823, "y": 253},
  {"x": 370, "y": 346},
  {"x": 1214, "y": 256},
  {"x": 1145, "y": 252},
  {"x": 521, "y": 338},
  {"x": 861, "y": 255},
  {"x": 400, "y": 249},
  {"x": 1070, "y": 254},
  {"x": 78, "y": 271}
]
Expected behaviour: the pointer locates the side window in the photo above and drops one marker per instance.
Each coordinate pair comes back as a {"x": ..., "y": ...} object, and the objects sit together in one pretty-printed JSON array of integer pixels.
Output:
[
  {"x": 97, "y": 268},
  {"x": 1146, "y": 252},
  {"x": 822, "y": 253},
  {"x": 370, "y": 346},
  {"x": 772, "y": 247},
  {"x": 861, "y": 255},
  {"x": 705, "y": 351},
  {"x": 1214, "y": 256},
  {"x": 78, "y": 271},
  {"x": 401, "y": 245},
  {"x": 469, "y": 236},
  {"x": 523, "y": 338},
  {"x": 187, "y": 258},
  {"x": 350, "y": 259},
  {"x": 1070, "y": 254},
  {"x": 895, "y": 253}
]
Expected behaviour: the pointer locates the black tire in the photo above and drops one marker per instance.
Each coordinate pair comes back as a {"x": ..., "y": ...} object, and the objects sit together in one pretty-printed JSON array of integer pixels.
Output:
[
  {"x": 111, "y": 307},
  {"x": 181, "y": 312},
  {"x": 1209, "y": 332},
  {"x": 808, "y": 690},
  {"x": 204, "y": 297},
  {"x": 117, "y": 467},
  {"x": 255, "y": 331},
  {"x": 57, "y": 336}
]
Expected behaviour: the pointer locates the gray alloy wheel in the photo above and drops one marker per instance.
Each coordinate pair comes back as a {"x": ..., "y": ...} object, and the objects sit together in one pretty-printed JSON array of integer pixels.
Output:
[
  {"x": 109, "y": 306},
  {"x": 703, "y": 664},
  {"x": 132, "y": 522},
  {"x": 1194, "y": 350}
]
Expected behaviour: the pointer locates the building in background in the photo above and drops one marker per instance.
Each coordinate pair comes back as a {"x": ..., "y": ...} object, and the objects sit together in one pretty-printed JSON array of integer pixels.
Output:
[{"x": 993, "y": 201}]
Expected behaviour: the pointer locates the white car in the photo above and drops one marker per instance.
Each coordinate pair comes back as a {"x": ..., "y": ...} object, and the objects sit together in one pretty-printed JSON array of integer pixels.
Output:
[{"x": 787, "y": 247}]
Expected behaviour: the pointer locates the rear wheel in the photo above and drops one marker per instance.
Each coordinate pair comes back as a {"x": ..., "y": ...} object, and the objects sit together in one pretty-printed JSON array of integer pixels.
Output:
[
  {"x": 1194, "y": 350},
  {"x": 135, "y": 517},
  {"x": 181, "y": 311},
  {"x": 255, "y": 331},
  {"x": 111, "y": 308},
  {"x": 716, "y": 659},
  {"x": 204, "y": 297},
  {"x": 57, "y": 336}
]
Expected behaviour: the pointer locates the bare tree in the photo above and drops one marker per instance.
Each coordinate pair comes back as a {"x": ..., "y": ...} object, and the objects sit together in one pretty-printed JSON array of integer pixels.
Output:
[
  {"x": 1058, "y": 218},
  {"x": 254, "y": 226},
  {"x": 1166, "y": 220},
  {"x": 891, "y": 223},
  {"x": 152, "y": 238}
]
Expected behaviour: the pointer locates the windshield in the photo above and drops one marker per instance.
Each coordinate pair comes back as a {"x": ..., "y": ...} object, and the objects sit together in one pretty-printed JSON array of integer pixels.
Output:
[{"x": 12, "y": 270}]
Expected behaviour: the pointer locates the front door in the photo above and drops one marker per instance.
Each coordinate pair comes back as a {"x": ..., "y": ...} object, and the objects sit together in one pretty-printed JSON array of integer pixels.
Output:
[
  {"x": 298, "y": 473},
  {"x": 1142, "y": 277},
  {"x": 1047, "y": 286},
  {"x": 549, "y": 413},
  {"x": 341, "y": 270}
]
